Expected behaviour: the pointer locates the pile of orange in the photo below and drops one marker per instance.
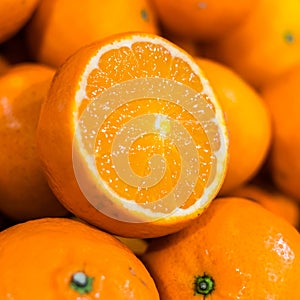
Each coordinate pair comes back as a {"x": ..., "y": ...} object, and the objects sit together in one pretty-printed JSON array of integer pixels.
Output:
[{"x": 149, "y": 149}]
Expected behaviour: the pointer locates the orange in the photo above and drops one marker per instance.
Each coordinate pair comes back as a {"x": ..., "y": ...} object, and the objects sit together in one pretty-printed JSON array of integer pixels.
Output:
[
  {"x": 248, "y": 121},
  {"x": 272, "y": 199},
  {"x": 13, "y": 16},
  {"x": 65, "y": 259},
  {"x": 202, "y": 20},
  {"x": 265, "y": 44},
  {"x": 24, "y": 191},
  {"x": 60, "y": 27},
  {"x": 282, "y": 97},
  {"x": 139, "y": 143},
  {"x": 235, "y": 250}
]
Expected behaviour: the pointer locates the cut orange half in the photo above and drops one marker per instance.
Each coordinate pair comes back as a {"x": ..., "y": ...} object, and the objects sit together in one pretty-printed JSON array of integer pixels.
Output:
[{"x": 131, "y": 136}]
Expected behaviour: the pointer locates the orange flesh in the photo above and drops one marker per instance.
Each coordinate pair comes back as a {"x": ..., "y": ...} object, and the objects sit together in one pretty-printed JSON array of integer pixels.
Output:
[
  {"x": 123, "y": 64},
  {"x": 146, "y": 146}
]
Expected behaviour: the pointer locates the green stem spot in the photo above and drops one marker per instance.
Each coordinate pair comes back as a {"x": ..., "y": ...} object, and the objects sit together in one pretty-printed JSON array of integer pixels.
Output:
[
  {"x": 289, "y": 37},
  {"x": 81, "y": 283},
  {"x": 144, "y": 15},
  {"x": 204, "y": 285}
]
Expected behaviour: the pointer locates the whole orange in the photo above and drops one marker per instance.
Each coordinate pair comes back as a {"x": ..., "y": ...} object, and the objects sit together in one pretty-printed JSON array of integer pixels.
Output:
[
  {"x": 13, "y": 16},
  {"x": 60, "y": 258},
  {"x": 60, "y": 27},
  {"x": 248, "y": 121},
  {"x": 23, "y": 188},
  {"x": 272, "y": 199},
  {"x": 265, "y": 44},
  {"x": 236, "y": 250},
  {"x": 282, "y": 97},
  {"x": 202, "y": 20}
]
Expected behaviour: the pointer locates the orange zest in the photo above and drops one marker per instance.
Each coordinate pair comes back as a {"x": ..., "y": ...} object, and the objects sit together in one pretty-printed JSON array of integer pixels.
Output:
[
  {"x": 236, "y": 249},
  {"x": 66, "y": 259}
]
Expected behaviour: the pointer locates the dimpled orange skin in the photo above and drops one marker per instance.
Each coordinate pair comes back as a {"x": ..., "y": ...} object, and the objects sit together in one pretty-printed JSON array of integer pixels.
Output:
[
  {"x": 24, "y": 190},
  {"x": 282, "y": 97},
  {"x": 202, "y": 20},
  {"x": 264, "y": 45},
  {"x": 53, "y": 249},
  {"x": 248, "y": 121},
  {"x": 249, "y": 252},
  {"x": 60, "y": 27},
  {"x": 272, "y": 199},
  {"x": 13, "y": 16}
]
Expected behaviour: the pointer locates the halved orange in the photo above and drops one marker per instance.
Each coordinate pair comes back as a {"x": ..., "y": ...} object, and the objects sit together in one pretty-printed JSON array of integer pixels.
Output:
[{"x": 131, "y": 136}]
